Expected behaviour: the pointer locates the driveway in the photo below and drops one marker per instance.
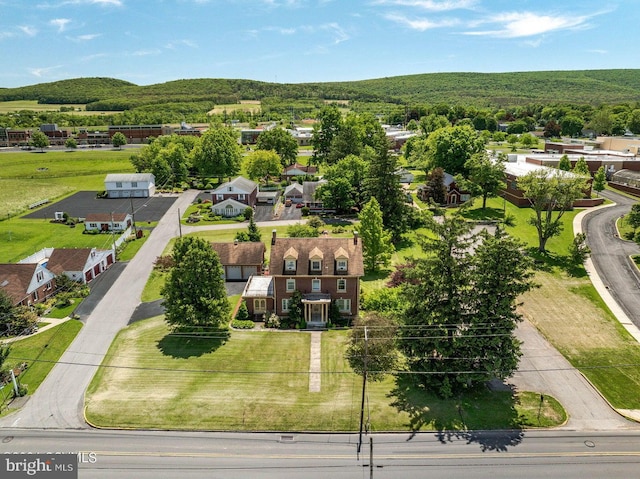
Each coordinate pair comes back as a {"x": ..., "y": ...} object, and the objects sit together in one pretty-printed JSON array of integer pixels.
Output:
[{"x": 83, "y": 203}]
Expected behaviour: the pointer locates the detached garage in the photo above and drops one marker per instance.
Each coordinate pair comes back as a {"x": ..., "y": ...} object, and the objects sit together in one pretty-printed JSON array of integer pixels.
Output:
[{"x": 240, "y": 260}]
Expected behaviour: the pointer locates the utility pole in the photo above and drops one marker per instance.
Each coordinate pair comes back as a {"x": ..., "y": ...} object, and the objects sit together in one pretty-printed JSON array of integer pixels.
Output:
[
  {"x": 370, "y": 458},
  {"x": 364, "y": 386},
  {"x": 133, "y": 217},
  {"x": 179, "y": 225},
  {"x": 113, "y": 240}
]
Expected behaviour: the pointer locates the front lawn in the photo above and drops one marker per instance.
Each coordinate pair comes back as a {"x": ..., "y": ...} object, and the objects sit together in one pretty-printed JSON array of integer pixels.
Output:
[
  {"x": 41, "y": 352},
  {"x": 260, "y": 381}
]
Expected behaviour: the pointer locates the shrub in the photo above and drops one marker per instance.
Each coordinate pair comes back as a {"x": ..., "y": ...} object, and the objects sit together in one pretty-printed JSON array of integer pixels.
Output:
[
  {"x": 248, "y": 213},
  {"x": 237, "y": 324},
  {"x": 382, "y": 300},
  {"x": 305, "y": 210},
  {"x": 164, "y": 263},
  {"x": 243, "y": 312},
  {"x": 302, "y": 231},
  {"x": 636, "y": 238},
  {"x": 273, "y": 321},
  {"x": 315, "y": 222},
  {"x": 64, "y": 299},
  {"x": 338, "y": 229}
]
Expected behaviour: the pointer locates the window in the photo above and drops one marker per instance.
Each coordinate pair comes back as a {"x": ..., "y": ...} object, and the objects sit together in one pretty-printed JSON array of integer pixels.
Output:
[
  {"x": 35, "y": 295},
  {"x": 219, "y": 197},
  {"x": 93, "y": 225},
  {"x": 316, "y": 265},
  {"x": 231, "y": 188},
  {"x": 118, "y": 184},
  {"x": 344, "y": 305},
  {"x": 290, "y": 265},
  {"x": 285, "y": 304},
  {"x": 241, "y": 197},
  {"x": 315, "y": 285},
  {"x": 341, "y": 265},
  {"x": 342, "y": 285},
  {"x": 259, "y": 306},
  {"x": 134, "y": 184},
  {"x": 48, "y": 287},
  {"x": 291, "y": 285},
  {"x": 39, "y": 276}
]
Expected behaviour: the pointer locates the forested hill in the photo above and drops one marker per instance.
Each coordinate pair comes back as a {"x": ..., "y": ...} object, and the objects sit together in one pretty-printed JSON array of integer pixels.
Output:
[{"x": 481, "y": 89}]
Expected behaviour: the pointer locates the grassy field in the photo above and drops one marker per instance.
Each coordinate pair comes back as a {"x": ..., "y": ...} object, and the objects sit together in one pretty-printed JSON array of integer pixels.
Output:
[
  {"x": 33, "y": 105},
  {"x": 41, "y": 351},
  {"x": 54, "y": 174},
  {"x": 260, "y": 381}
]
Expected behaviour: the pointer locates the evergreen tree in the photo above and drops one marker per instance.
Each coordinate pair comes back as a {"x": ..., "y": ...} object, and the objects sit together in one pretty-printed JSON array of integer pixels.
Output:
[
  {"x": 564, "y": 164},
  {"x": 581, "y": 167},
  {"x": 383, "y": 184},
  {"x": 328, "y": 126},
  {"x": 194, "y": 292},
  {"x": 253, "y": 231},
  {"x": 461, "y": 315},
  {"x": 376, "y": 242},
  {"x": 435, "y": 189}
]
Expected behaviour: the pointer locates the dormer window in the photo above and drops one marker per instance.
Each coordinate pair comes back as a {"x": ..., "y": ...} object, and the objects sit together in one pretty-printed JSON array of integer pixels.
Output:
[
  {"x": 315, "y": 260},
  {"x": 290, "y": 265},
  {"x": 316, "y": 265},
  {"x": 290, "y": 260},
  {"x": 341, "y": 265}
]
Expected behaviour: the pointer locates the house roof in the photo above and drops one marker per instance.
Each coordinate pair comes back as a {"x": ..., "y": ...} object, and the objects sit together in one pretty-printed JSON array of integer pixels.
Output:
[
  {"x": 106, "y": 217},
  {"x": 294, "y": 189},
  {"x": 68, "y": 259},
  {"x": 241, "y": 183},
  {"x": 241, "y": 253},
  {"x": 16, "y": 278},
  {"x": 258, "y": 287},
  {"x": 229, "y": 201},
  {"x": 309, "y": 190},
  {"x": 129, "y": 177},
  {"x": 311, "y": 170},
  {"x": 305, "y": 248}
]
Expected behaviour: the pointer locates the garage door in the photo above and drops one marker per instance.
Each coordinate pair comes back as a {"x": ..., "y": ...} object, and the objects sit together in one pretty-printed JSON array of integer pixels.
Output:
[
  {"x": 248, "y": 271},
  {"x": 234, "y": 273}
]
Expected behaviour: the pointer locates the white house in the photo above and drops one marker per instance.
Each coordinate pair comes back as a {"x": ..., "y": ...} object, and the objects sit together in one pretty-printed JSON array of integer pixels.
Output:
[
  {"x": 228, "y": 208},
  {"x": 126, "y": 185},
  {"x": 107, "y": 222},
  {"x": 81, "y": 264}
]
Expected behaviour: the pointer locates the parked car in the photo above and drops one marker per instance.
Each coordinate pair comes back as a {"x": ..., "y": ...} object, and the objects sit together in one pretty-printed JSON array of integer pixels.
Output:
[
  {"x": 299, "y": 205},
  {"x": 287, "y": 203}
]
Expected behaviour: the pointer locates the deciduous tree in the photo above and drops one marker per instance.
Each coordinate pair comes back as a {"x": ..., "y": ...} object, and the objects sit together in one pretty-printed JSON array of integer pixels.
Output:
[
  {"x": 328, "y": 126},
  {"x": 217, "y": 153},
  {"x": 261, "y": 164},
  {"x": 449, "y": 148},
  {"x": 194, "y": 294},
  {"x": 551, "y": 194},
  {"x": 599, "y": 180},
  {"x": 39, "y": 140},
  {"x": 118, "y": 140},
  {"x": 486, "y": 175},
  {"x": 280, "y": 141},
  {"x": 372, "y": 346},
  {"x": 582, "y": 168}
]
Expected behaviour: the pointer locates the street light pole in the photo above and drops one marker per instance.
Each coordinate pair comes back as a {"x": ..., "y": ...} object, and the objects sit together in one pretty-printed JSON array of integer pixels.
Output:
[{"x": 364, "y": 386}]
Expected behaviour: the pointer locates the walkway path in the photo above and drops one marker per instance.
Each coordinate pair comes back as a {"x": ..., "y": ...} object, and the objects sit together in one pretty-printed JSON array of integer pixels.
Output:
[{"x": 315, "y": 362}]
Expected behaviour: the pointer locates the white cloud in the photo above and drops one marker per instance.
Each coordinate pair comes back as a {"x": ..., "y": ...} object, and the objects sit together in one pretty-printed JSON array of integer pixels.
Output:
[
  {"x": 102, "y": 3},
  {"x": 27, "y": 30},
  {"x": 144, "y": 53},
  {"x": 420, "y": 24},
  {"x": 59, "y": 23},
  {"x": 39, "y": 72},
  {"x": 93, "y": 56},
  {"x": 598, "y": 51},
  {"x": 431, "y": 5},
  {"x": 180, "y": 43},
  {"x": 85, "y": 38},
  {"x": 526, "y": 24},
  {"x": 339, "y": 34}
]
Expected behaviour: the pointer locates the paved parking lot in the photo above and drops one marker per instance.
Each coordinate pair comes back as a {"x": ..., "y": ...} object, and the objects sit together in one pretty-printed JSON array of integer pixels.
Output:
[{"x": 83, "y": 203}]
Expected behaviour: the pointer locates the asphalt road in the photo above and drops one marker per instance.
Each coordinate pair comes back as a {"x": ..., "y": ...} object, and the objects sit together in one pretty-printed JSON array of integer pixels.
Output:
[
  {"x": 495, "y": 455},
  {"x": 610, "y": 254}
]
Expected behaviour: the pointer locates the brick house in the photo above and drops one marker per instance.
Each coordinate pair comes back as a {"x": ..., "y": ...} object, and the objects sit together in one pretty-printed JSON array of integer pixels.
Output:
[
  {"x": 231, "y": 198},
  {"x": 323, "y": 270},
  {"x": 27, "y": 283}
]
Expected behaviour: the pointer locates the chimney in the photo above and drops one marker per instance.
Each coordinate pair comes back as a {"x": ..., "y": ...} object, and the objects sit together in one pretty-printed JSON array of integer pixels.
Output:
[
  {"x": 355, "y": 237},
  {"x": 273, "y": 237}
]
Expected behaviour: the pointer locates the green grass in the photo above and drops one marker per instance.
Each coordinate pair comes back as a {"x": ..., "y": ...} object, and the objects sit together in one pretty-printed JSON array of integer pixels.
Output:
[
  {"x": 65, "y": 311},
  {"x": 625, "y": 230},
  {"x": 41, "y": 351},
  {"x": 131, "y": 248},
  {"x": 260, "y": 381}
]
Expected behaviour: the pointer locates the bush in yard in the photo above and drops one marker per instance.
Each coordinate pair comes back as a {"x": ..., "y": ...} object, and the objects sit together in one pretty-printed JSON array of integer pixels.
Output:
[
  {"x": 248, "y": 213},
  {"x": 305, "y": 210},
  {"x": 273, "y": 321},
  {"x": 315, "y": 222},
  {"x": 243, "y": 312},
  {"x": 237, "y": 324},
  {"x": 164, "y": 263}
]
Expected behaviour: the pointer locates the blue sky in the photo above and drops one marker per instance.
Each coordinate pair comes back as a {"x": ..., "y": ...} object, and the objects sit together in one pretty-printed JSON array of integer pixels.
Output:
[{"x": 294, "y": 41}]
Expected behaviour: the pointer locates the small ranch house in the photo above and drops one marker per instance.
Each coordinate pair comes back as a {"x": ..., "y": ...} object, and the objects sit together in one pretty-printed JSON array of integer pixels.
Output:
[
  {"x": 107, "y": 222},
  {"x": 81, "y": 264}
]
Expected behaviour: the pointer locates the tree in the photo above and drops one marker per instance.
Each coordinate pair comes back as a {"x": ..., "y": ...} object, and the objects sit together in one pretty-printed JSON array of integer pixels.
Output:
[
  {"x": 376, "y": 242},
  {"x": 550, "y": 195},
  {"x": 328, "y": 126},
  {"x": 433, "y": 122},
  {"x": 435, "y": 188},
  {"x": 460, "y": 311},
  {"x": 39, "y": 140},
  {"x": 633, "y": 217},
  {"x": 581, "y": 167},
  {"x": 528, "y": 140},
  {"x": 194, "y": 292},
  {"x": 4, "y": 354},
  {"x": 354, "y": 169},
  {"x": 571, "y": 125},
  {"x": 118, "y": 140},
  {"x": 376, "y": 351},
  {"x": 217, "y": 153},
  {"x": 337, "y": 194},
  {"x": 253, "y": 231},
  {"x": 71, "y": 144},
  {"x": 383, "y": 184},
  {"x": 280, "y": 141},
  {"x": 599, "y": 180},
  {"x": 487, "y": 175},
  {"x": 261, "y": 164},
  {"x": 6, "y": 314},
  {"x": 564, "y": 164},
  {"x": 633, "y": 123},
  {"x": 552, "y": 129},
  {"x": 167, "y": 157},
  {"x": 449, "y": 148}
]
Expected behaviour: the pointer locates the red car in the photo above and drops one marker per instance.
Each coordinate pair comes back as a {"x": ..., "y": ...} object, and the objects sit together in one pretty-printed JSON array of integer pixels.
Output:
[{"x": 299, "y": 205}]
